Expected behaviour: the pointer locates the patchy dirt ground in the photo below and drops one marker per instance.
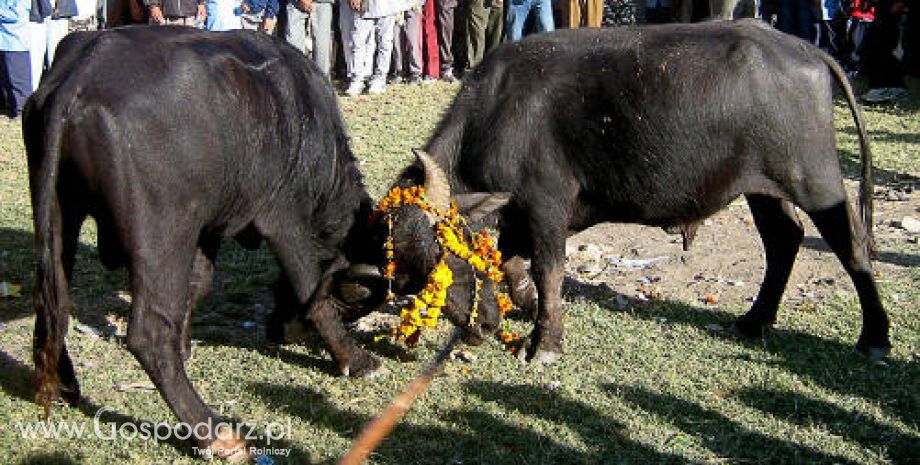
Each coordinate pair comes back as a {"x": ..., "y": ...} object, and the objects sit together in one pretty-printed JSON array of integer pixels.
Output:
[{"x": 725, "y": 264}]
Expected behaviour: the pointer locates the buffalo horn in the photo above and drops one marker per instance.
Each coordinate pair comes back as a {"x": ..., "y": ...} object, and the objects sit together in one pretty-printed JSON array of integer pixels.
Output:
[{"x": 437, "y": 189}]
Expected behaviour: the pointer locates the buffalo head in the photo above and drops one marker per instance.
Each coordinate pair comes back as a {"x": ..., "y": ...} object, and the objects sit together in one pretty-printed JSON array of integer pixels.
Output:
[{"x": 417, "y": 251}]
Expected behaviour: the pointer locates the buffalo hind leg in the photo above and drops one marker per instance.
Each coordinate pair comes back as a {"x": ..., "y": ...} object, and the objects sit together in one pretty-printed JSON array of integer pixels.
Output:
[
  {"x": 200, "y": 287},
  {"x": 839, "y": 227},
  {"x": 523, "y": 290},
  {"x": 781, "y": 233},
  {"x": 514, "y": 242},
  {"x": 161, "y": 291}
]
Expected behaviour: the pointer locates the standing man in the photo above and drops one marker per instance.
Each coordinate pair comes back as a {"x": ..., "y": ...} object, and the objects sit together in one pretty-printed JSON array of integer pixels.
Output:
[
  {"x": 578, "y": 13},
  {"x": 48, "y": 24},
  {"x": 483, "y": 29},
  {"x": 519, "y": 10},
  {"x": 309, "y": 29},
  {"x": 445, "y": 10},
  {"x": 259, "y": 15},
  {"x": 14, "y": 55},
  {"x": 407, "y": 45},
  {"x": 176, "y": 12}
]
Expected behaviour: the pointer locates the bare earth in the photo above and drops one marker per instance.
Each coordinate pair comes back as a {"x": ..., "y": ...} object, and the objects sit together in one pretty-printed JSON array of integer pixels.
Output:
[{"x": 725, "y": 264}]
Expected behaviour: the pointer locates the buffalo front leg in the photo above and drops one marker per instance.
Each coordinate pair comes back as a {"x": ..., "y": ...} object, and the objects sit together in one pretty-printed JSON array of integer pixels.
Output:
[
  {"x": 840, "y": 228},
  {"x": 161, "y": 292},
  {"x": 548, "y": 269},
  {"x": 312, "y": 284},
  {"x": 781, "y": 233}
]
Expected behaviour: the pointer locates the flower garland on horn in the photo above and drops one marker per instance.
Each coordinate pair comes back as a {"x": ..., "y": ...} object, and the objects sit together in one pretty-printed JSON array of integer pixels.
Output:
[{"x": 480, "y": 253}]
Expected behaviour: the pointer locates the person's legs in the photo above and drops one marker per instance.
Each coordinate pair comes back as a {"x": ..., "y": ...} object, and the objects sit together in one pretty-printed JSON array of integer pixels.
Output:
[
  {"x": 38, "y": 38},
  {"x": 19, "y": 72},
  {"x": 57, "y": 29},
  {"x": 445, "y": 35},
  {"x": 515, "y": 18},
  {"x": 413, "y": 36},
  {"x": 571, "y": 13},
  {"x": 296, "y": 29},
  {"x": 383, "y": 30},
  {"x": 432, "y": 58},
  {"x": 495, "y": 25},
  {"x": 543, "y": 10},
  {"x": 346, "y": 28},
  {"x": 476, "y": 19},
  {"x": 804, "y": 18},
  {"x": 398, "y": 57},
  {"x": 362, "y": 38},
  {"x": 878, "y": 63},
  {"x": 784, "y": 15},
  {"x": 6, "y": 93},
  {"x": 594, "y": 13},
  {"x": 321, "y": 29}
]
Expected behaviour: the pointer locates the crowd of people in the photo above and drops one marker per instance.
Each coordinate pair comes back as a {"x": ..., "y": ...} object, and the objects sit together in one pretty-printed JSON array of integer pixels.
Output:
[{"x": 373, "y": 43}]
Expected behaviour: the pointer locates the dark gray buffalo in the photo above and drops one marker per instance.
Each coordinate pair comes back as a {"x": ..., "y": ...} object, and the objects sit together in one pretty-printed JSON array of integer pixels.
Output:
[
  {"x": 174, "y": 139},
  {"x": 661, "y": 126}
]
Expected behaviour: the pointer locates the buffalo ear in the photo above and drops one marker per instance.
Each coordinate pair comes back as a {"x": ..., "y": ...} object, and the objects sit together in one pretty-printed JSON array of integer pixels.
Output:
[{"x": 479, "y": 205}]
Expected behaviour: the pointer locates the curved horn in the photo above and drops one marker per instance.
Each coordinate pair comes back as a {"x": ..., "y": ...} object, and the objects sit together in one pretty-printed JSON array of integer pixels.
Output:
[{"x": 437, "y": 188}]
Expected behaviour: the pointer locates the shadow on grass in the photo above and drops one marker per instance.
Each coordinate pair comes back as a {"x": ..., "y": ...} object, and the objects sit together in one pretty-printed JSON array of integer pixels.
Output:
[
  {"x": 851, "y": 165},
  {"x": 54, "y": 458},
  {"x": 723, "y": 436},
  {"x": 479, "y": 437},
  {"x": 894, "y": 258},
  {"x": 900, "y": 447},
  {"x": 16, "y": 381},
  {"x": 830, "y": 364}
]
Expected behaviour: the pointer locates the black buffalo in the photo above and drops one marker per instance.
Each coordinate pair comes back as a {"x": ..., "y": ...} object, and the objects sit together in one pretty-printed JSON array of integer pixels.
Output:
[
  {"x": 173, "y": 140},
  {"x": 661, "y": 126}
]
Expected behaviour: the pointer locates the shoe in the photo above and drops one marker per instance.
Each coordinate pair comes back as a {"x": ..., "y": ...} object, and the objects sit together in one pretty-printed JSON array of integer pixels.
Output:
[
  {"x": 356, "y": 87},
  {"x": 378, "y": 86},
  {"x": 884, "y": 94},
  {"x": 429, "y": 80},
  {"x": 395, "y": 79},
  {"x": 414, "y": 80},
  {"x": 447, "y": 75}
]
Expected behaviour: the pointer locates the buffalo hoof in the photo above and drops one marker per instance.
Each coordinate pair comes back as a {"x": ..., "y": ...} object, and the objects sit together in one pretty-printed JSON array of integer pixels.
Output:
[
  {"x": 874, "y": 353},
  {"x": 70, "y": 393},
  {"x": 545, "y": 357},
  {"x": 362, "y": 365},
  {"x": 533, "y": 353},
  {"x": 748, "y": 329}
]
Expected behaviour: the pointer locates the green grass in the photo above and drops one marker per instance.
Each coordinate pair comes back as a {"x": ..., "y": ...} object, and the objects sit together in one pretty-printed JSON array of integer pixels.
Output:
[{"x": 633, "y": 388}]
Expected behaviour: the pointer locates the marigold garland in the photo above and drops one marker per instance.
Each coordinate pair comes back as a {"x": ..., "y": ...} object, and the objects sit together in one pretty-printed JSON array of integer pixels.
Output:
[{"x": 481, "y": 254}]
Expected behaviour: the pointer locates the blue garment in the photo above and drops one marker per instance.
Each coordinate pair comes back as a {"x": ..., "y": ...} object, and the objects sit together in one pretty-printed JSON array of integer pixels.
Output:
[
  {"x": 14, "y": 25},
  {"x": 15, "y": 80},
  {"x": 796, "y": 17},
  {"x": 42, "y": 9},
  {"x": 222, "y": 15},
  {"x": 829, "y": 9},
  {"x": 517, "y": 13},
  {"x": 271, "y": 7}
]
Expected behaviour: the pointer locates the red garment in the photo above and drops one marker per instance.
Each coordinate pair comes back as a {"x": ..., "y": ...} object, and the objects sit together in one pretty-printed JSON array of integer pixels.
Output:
[
  {"x": 431, "y": 55},
  {"x": 864, "y": 10}
]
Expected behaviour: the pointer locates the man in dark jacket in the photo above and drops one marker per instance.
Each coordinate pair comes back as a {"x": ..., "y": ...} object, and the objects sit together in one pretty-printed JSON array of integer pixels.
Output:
[
  {"x": 176, "y": 12},
  {"x": 48, "y": 22}
]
